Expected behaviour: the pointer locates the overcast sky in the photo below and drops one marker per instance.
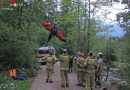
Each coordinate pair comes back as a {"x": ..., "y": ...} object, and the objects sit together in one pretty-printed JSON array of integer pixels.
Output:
[{"x": 111, "y": 18}]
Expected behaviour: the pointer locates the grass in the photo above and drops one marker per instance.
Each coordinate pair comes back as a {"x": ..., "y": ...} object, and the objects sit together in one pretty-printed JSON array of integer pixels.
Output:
[
  {"x": 23, "y": 85},
  {"x": 9, "y": 84}
]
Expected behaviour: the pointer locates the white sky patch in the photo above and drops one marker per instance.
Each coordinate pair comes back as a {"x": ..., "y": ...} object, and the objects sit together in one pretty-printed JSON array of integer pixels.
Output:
[
  {"x": 117, "y": 8},
  {"x": 112, "y": 11},
  {"x": 110, "y": 19}
]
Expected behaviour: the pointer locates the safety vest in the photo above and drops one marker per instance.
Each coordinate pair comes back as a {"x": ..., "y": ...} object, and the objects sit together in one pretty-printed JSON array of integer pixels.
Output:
[
  {"x": 12, "y": 73},
  {"x": 64, "y": 62},
  {"x": 91, "y": 63},
  {"x": 50, "y": 62}
]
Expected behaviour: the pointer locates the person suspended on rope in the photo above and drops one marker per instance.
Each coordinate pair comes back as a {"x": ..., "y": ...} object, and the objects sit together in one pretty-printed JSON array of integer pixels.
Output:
[{"x": 54, "y": 31}]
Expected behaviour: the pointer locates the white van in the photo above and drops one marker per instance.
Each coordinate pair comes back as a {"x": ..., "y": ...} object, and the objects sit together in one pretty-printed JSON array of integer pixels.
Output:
[{"x": 43, "y": 52}]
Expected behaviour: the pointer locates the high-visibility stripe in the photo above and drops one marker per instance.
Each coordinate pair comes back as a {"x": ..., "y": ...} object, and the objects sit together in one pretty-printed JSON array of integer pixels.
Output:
[
  {"x": 80, "y": 70},
  {"x": 92, "y": 61},
  {"x": 64, "y": 68},
  {"x": 65, "y": 58},
  {"x": 90, "y": 71}
]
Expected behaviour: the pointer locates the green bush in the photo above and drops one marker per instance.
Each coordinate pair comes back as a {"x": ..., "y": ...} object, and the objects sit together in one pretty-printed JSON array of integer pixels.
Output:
[{"x": 5, "y": 82}]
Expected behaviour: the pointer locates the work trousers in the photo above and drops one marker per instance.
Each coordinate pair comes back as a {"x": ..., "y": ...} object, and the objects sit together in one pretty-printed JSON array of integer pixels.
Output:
[
  {"x": 49, "y": 74},
  {"x": 98, "y": 76},
  {"x": 64, "y": 77},
  {"x": 80, "y": 77},
  {"x": 90, "y": 81}
]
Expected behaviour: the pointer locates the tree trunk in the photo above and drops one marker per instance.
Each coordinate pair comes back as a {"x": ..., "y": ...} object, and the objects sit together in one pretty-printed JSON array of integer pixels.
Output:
[{"x": 89, "y": 27}]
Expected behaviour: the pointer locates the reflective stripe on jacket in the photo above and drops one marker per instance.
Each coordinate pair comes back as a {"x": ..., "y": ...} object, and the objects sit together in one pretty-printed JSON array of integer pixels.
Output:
[
  {"x": 90, "y": 64},
  {"x": 64, "y": 62}
]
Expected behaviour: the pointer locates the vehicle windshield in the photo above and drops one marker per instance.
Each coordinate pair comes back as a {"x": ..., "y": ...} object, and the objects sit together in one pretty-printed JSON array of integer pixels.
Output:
[{"x": 43, "y": 51}]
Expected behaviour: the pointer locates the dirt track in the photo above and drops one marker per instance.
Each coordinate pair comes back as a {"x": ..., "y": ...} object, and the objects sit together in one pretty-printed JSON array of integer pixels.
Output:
[{"x": 40, "y": 81}]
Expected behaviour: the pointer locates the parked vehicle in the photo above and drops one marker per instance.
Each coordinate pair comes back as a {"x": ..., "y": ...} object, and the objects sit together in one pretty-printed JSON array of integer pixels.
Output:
[{"x": 43, "y": 52}]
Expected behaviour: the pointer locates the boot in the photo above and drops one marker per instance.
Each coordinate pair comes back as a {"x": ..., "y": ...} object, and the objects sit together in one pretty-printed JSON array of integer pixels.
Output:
[{"x": 67, "y": 85}]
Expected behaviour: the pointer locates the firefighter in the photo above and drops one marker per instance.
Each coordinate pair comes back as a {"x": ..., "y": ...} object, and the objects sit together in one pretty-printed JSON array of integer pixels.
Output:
[
  {"x": 50, "y": 60},
  {"x": 64, "y": 68},
  {"x": 80, "y": 68},
  {"x": 99, "y": 65},
  {"x": 90, "y": 64}
]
